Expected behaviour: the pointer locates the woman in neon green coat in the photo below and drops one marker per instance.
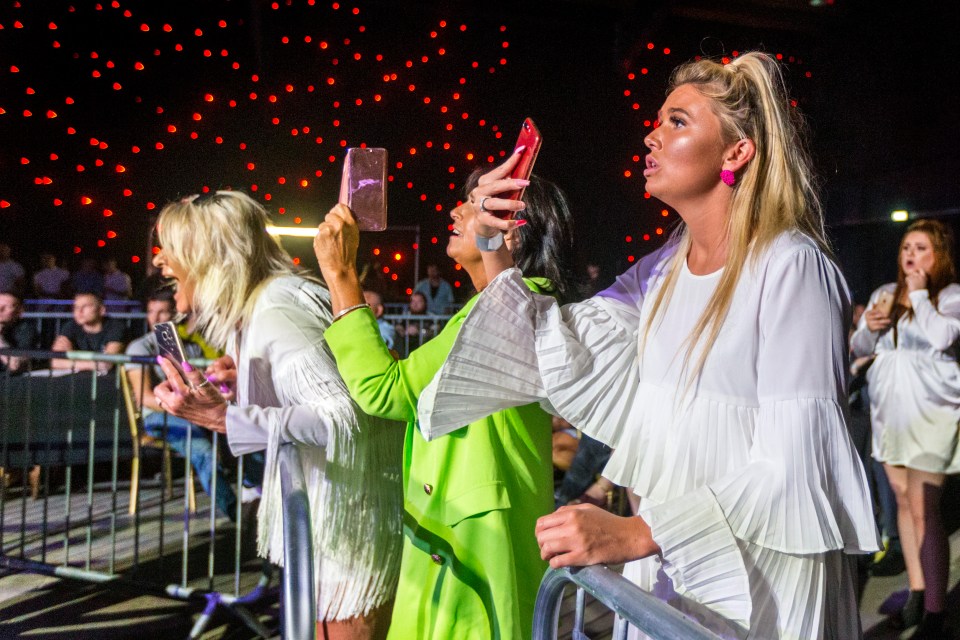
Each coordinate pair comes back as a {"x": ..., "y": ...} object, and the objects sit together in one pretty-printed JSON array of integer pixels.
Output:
[{"x": 471, "y": 566}]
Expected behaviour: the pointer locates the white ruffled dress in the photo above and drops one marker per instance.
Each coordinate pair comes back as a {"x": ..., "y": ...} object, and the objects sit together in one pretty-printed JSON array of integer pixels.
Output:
[
  {"x": 915, "y": 383},
  {"x": 289, "y": 390},
  {"x": 749, "y": 481}
]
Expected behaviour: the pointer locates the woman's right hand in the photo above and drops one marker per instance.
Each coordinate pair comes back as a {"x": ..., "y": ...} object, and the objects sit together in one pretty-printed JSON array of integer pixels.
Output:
[
  {"x": 336, "y": 242},
  {"x": 491, "y": 209},
  {"x": 222, "y": 372},
  {"x": 876, "y": 321}
]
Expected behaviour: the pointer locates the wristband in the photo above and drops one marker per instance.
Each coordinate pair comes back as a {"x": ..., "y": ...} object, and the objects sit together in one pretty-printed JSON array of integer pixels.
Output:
[
  {"x": 489, "y": 244},
  {"x": 344, "y": 312}
]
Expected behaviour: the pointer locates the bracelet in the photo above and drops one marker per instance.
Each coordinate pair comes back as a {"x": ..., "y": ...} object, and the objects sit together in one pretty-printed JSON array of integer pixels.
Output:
[
  {"x": 344, "y": 312},
  {"x": 489, "y": 244}
]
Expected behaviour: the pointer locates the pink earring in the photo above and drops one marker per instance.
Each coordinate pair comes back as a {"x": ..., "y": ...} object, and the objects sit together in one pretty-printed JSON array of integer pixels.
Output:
[{"x": 727, "y": 177}]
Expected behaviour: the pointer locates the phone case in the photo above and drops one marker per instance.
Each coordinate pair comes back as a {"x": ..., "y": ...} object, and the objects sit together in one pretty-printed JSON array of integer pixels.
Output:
[
  {"x": 884, "y": 303},
  {"x": 363, "y": 186},
  {"x": 170, "y": 346},
  {"x": 531, "y": 138}
]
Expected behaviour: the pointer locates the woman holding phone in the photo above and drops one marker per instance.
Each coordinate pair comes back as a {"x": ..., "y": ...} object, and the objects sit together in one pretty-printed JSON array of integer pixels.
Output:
[
  {"x": 249, "y": 301},
  {"x": 471, "y": 567},
  {"x": 715, "y": 368},
  {"x": 915, "y": 405}
]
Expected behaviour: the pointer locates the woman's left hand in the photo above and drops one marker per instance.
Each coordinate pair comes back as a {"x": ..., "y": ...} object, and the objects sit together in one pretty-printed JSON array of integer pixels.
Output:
[
  {"x": 917, "y": 280},
  {"x": 336, "y": 242},
  {"x": 583, "y": 534},
  {"x": 198, "y": 402}
]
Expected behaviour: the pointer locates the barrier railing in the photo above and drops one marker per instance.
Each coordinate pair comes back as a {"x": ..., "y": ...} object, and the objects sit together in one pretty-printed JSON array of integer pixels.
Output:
[
  {"x": 68, "y": 435},
  {"x": 631, "y": 604},
  {"x": 48, "y": 324},
  {"x": 299, "y": 599},
  {"x": 411, "y": 331}
]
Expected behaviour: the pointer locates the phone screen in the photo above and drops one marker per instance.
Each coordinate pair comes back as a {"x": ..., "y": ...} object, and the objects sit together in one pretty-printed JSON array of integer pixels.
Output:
[
  {"x": 363, "y": 187},
  {"x": 531, "y": 139}
]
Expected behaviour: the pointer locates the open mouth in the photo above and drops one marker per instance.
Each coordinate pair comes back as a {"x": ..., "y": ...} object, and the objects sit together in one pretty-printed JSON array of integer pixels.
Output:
[{"x": 652, "y": 166}]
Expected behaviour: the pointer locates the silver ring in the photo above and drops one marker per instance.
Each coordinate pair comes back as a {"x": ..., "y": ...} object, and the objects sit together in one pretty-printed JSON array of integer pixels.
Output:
[
  {"x": 203, "y": 384},
  {"x": 483, "y": 208}
]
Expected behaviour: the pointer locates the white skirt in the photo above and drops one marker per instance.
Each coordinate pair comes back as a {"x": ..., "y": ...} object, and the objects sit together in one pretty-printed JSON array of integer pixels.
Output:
[{"x": 808, "y": 597}]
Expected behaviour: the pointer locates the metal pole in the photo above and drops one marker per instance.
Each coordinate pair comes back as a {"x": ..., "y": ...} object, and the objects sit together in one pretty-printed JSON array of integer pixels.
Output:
[{"x": 299, "y": 600}]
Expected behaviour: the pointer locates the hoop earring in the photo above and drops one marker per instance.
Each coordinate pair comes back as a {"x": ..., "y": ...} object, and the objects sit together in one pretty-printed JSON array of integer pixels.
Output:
[{"x": 728, "y": 178}]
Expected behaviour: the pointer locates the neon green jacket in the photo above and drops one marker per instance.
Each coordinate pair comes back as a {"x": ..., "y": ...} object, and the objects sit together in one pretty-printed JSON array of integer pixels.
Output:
[{"x": 471, "y": 566}]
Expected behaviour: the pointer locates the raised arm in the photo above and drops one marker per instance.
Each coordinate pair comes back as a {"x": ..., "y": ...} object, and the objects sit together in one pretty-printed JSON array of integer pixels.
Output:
[{"x": 940, "y": 324}]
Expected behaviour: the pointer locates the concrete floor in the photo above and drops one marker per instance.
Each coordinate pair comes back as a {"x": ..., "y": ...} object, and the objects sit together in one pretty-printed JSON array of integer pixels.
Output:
[{"x": 45, "y": 607}]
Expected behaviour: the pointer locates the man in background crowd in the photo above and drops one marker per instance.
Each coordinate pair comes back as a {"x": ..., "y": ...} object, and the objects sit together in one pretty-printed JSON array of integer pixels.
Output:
[
  {"x": 51, "y": 281},
  {"x": 11, "y": 271},
  {"x": 437, "y": 291},
  {"x": 387, "y": 332},
  {"x": 116, "y": 284},
  {"x": 88, "y": 279},
  {"x": 90, "y": 330},
  {"x": 15, "y": 333}
]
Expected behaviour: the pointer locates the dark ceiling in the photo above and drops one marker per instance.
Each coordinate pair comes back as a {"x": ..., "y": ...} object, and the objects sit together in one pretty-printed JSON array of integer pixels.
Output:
[{"x": 877, "y": 82}]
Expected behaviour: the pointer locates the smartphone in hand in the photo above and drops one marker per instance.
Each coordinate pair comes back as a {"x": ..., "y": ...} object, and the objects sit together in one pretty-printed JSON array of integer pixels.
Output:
[
  {"x": 531, "y": 139},
  {"x": 884, "y": 303},
  {"x": 170, "y": 346},
  {"x": 363, "y": 186}
]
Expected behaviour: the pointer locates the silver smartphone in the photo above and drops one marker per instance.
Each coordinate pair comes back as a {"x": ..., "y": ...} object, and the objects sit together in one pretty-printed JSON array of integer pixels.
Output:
[{"x": 170, "y": 346}]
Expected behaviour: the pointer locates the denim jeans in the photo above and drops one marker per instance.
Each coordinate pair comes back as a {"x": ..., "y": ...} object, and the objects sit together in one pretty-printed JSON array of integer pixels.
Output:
[
  {"x": 590, "y": 459},
  {"x": 201, "y": 456}
]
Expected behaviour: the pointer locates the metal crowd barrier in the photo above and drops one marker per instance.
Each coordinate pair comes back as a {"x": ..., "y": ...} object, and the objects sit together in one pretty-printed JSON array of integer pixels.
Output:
[
  {"x": 68, "y": 434},
  {"x": 48, "y": 323},
  {"x": 411, "y": 331},
  {"x": 300, "y": 602},
  {"x": 631, "y": 604}
]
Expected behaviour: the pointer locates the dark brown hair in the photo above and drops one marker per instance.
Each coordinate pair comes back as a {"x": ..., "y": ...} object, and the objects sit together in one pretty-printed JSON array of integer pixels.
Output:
[{"x": 943, "y": 273}]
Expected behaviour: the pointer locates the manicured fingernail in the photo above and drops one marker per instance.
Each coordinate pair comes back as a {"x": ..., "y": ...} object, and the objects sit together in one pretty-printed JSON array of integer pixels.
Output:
[
  {"x": 212, "y": 378},
  {"x": 520, "y": 223},
  {"x": 522, "y": 182},
  {"x": 224, "y": 389},
  {"x": 159, "y": 359},
  {"x": 520, "y": 149},
  {"x": 186, "y": 366}
]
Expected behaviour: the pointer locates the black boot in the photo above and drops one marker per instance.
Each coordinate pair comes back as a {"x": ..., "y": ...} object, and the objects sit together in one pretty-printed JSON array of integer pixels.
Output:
[
  {"x": 931, "y": 627},
  {"x": 912, "y": 612}
]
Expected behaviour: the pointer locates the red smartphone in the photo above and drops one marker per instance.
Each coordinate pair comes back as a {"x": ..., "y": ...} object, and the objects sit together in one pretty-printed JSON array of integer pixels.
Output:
[
  {"x": 530, "y": 138},
  {"x": 363, "y": 186}
]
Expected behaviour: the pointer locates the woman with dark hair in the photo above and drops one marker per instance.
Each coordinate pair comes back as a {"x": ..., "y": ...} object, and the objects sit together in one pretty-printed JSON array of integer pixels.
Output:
[
  {"x": 471, "y": 566},
  {"x": 915, "y": 406}
]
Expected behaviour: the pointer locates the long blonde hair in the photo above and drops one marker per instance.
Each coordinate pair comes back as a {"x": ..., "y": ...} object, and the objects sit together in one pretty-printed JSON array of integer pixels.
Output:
[
  {"x": 221, "y": 240},
  {"x": 774, "y": 191}
]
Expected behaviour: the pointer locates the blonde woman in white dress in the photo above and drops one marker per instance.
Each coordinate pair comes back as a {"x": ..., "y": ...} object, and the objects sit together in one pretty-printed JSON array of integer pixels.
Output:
[
  {"x": 715, "y": 368},
  {"x": 248, "y": 300},
  {"x": 915, "y": 406}
]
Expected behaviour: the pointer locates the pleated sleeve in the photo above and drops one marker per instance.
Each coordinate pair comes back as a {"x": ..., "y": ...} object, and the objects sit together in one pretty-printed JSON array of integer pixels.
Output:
[
  {"x": 516, "y": 347},
  {"x": 941, "y": 324}
]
